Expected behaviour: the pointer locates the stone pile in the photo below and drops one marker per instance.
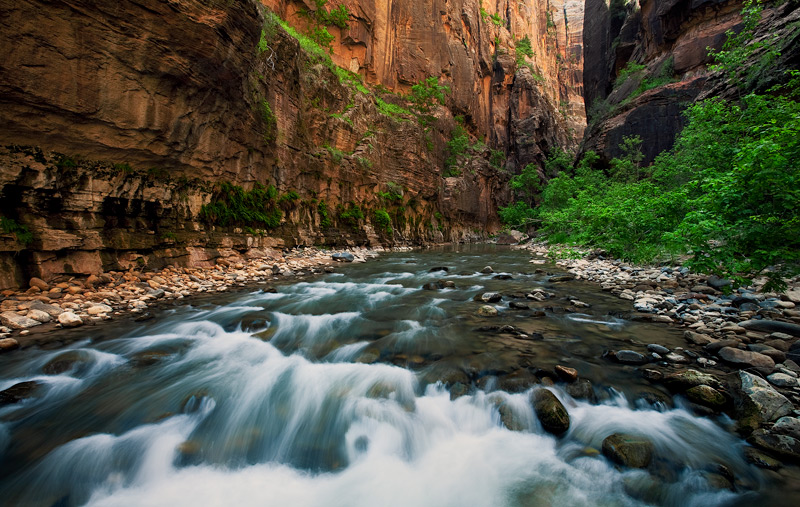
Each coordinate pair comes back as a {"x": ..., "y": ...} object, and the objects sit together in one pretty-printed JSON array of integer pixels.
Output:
[{"x": 75, "y": 302}]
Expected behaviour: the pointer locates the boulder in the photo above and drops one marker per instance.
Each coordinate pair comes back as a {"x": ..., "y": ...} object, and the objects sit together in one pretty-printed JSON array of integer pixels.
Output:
[
  {"x": 784, "y": 446},
  {"x": 487, "y": 270},
  {"x": 7, "y": 344},
  {"x": 698, "y": 339},
  {"x": 658, "y": 349},
  {"x": 746, "y": 358},
  {"x": 487, "y": 311},
  {"x": 39, "y": 316},
  {"x": 706, "y": 396},
  {"x": 566, "y": 374},
  {"x": 510, "y": 238},
  {"x": 514, "y": 305},
  {"x": 341, "y": 257},
  {"x": 787, "y": 426},
  {"x": 629, "y": 357},
  {"x": 581, "y": 390},
  {"x": 782, "y": 380},
  {"x": 489, "y": 297},
  {"x": 628, "y": 450},
  {"x": 684, "y": 380},
  {"x": 19, "y": 392},
  {"x": 761, "y": 460},
  {"x": 771, "y": 326},
  {"x": 16, "y": 321},
  {"x": 550, "y": 411},
  {"x": 39, "y": 284},
  {"x": 756, "y": 401},
  {"x": 69, "y": 319}
]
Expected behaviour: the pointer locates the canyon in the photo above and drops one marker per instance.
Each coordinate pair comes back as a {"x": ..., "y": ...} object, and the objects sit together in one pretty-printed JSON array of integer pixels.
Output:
[{"x": 121, "y": 122}]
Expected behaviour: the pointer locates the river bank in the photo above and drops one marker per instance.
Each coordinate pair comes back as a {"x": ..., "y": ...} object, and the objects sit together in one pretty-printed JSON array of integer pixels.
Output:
[{"x": 27, "y": 317}]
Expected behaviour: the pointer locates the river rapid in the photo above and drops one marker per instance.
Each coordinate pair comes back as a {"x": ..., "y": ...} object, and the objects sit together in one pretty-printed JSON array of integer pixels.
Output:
[{"x": 359, "y": 388}]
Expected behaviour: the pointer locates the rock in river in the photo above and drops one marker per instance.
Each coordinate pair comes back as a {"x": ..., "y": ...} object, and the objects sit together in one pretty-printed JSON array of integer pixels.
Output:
[
  {"x": 343, "y": 257},
  {"x": 487, "y": 311},
  {"x": 629, "y": 357},
  {"x": 747, "y": 358},
  {"x": 756, "y": 401},
  {"x": 628, "y": 450},
  {"x": 550, "y": 411},
  {"x": 771, "y": 326},
  {"x": 69, "y": 319},
  {"x": 706, "y": 396}
]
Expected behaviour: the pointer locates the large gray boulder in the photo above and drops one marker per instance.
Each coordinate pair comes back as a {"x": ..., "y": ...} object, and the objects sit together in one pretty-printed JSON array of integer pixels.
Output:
[{"x": 757, "y": 402}]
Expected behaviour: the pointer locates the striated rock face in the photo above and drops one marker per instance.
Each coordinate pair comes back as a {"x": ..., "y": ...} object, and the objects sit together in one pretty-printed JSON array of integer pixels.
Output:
[
  {"x": 470, "y": 45},
  {"x": 121, "y": 121},
  {"x": 670, "y": 39}
]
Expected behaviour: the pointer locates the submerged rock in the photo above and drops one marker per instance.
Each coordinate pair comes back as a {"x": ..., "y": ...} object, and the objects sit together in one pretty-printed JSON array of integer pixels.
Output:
[
  {"x": 489, "y": 297},
  {"x": 628, "y": 450},
  {"x": 582, "y": 390},
  {"x": 551, "y": 413},
  {"x": 19, "y": 392},
  {"x": 487, "y": 311},
  {"x": 629, "y": 357}
]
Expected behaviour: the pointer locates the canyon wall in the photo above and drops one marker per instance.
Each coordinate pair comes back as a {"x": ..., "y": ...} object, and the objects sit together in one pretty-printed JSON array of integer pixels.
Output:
[
  {"x": 123, "y": 122},
  {"x": 669, "y": 39}
]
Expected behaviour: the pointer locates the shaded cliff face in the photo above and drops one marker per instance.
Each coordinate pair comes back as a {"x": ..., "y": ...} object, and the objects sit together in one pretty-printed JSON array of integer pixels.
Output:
[
  {"x": 669, "y": 39},
  {"x": 123, "y": 120},
  {"x": 470, "y": 45}
]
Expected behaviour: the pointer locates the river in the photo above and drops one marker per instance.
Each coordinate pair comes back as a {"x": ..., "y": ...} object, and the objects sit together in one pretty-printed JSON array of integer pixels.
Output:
[{"x": 328, "y": 392}]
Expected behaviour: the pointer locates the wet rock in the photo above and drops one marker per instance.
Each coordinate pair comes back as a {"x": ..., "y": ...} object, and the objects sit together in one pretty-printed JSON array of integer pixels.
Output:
[
  {"x": 787, "y": 426},
  {"x": 52, "y": 310},
  {"x": 717, "y": 481},
  {"x": 509, "y": 419},
  {"x": 517, "y": 381},
  {"x": 8, "y": 344},
  {"x": 746, "y": 358},
  {"x": 19, "y": 392},
  {"x": 487, "y": 270},
  {"x": 776, "y": 355},
  {"x": 433, "y": 286},
  {"x": 706, "y": 396},
  {"x": 629, "y": 357},
  {"x": 438, "y": 268},
  {"x": 682, "y": 381},
  {"x": 16, "y": 321},
  {"x": 503, "y": 277},
  {"x": 69, "y": 319},
  {"x": 628, "y": 450},
  {"x": 772, "y": 326},
  {"x": 757, "y": 402},
  {"x": 447, "y": 284},
  {"x": 719, "y": 344},
  {"x": 342, "y": 257},
  {"x": 518, "y": 306},
  {"x": 783, "y": 446},
  {"x": 698, "y": 338},
  {"x": 63, "y": 363},
  {"x": 676, "y": 358},
  {"x": 761, "y": 460},
  {"x": 489, "y": 297},
  {"x": 658, "y": 349},
  {"x": 782, "y": 380},
  {"x": 550, "y": 411},
  {"x": 566, "y": 374},
  {"x": 581, "y": 390},
  {"x": 561, "y": 278},
  {"x": 487, "y": 311}
]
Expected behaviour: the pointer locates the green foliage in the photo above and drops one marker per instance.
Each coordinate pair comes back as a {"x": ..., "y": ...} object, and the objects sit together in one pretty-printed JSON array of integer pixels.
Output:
[
  {"x": 337, "y": 17},
  {"x": 169, "y": 236},
  {"x": 727, "y": 193},
  {"x": 350, "y": 79},
  {"x": 394, "y": 192},
  {"x": 631, "y": 69},
  {"x": 263, "y": 43},
  {"x": 336, "y": 154},
  {"x": 382, "y": 221},
  {"x": 233, "y": 205},
  {"x": 517, "y": 215},
  {"x": 324, "y": 215},
  {"x": 457, "y": 145},
  {"x": 322, "y": 37},
  {"x": 352, "y": 215},
  {"x": 123, "y": 168},
  {"x": 428, "y": 94},
  {"x": 497, "y": 158},
  {"x": 21, "y": 232},
  {"x": 289, "y": 197},
  {"x": 740, "y": 46},
  {"x": 391, "y": 110},
  {"x": 523, "y": 49},
  {"x": 496, "y": 19},
  {"x": 270, "y": 121}
]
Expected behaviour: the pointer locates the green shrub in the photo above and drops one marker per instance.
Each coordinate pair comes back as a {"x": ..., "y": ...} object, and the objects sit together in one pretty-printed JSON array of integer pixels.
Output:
[
  {"x": 352, "y": 216},
  {"x": 324, "y": 215},
  {"x": 523, "y": 49},
  {"x": 457, "y": 145},
  {"x": 233, "y": 205},
  {"x": 428, "y": 94},
  {"x": 631, "y": 69},
  {"x": 21, "y": 232},
  {"x": 497, "y": 158},
  {"x": 382, "y": 221},
  {"x": 391, "y": 110}
]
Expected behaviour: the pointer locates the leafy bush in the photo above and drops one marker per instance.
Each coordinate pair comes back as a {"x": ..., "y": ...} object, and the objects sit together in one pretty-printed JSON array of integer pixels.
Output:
[
  {"x": 457, "y": 145},
  {"x": 523, "y": 49},
  {"x": 391, "y": 110},
  {"x": 428, "y": 94},
  {"x": 497, "y": 158},
  {"x": 324, "y": 215},
  {"x": 631, "y": 69},
  {"x": 21, "y": 232},
  {"x": 233, "y": 205},
  {"x": 352, "y": 215},
  {"x": 382, "y": 221}
]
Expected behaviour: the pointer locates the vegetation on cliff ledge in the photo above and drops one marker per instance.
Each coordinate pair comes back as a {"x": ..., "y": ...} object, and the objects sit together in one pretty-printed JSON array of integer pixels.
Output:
[{"x": 728, "y": 193}]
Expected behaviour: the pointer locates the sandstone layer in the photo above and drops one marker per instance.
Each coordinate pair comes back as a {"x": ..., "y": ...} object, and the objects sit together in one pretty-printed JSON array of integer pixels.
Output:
[{"x": 122, "y": 121}]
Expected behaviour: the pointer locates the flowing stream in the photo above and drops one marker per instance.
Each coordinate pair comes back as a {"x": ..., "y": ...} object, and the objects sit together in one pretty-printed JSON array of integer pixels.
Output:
[{"x": 327, "y": 393}]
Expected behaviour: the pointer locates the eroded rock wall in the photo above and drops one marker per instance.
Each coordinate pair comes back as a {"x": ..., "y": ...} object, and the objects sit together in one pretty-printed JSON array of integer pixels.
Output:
[{"x": 670, "y": 38}]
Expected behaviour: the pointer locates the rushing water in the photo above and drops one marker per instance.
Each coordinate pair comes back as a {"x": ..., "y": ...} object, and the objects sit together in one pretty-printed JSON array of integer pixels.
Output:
[{"x": 266, "y": 398}]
